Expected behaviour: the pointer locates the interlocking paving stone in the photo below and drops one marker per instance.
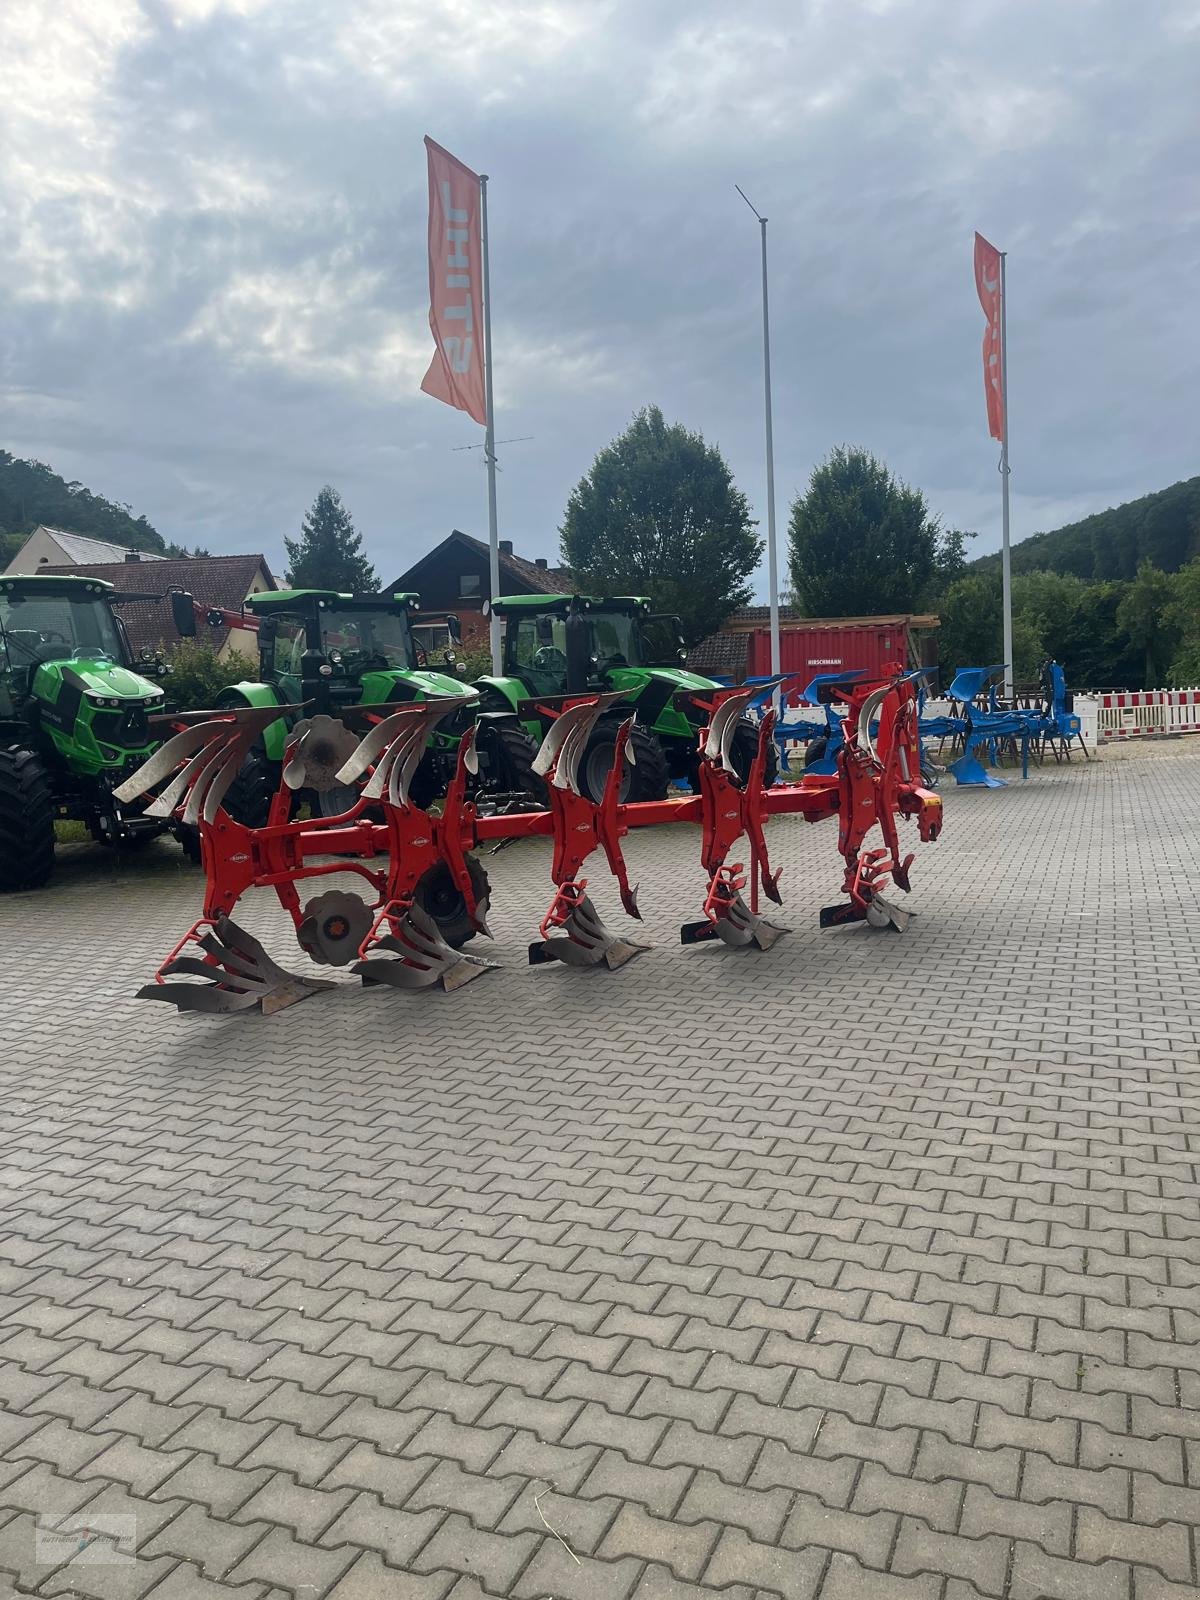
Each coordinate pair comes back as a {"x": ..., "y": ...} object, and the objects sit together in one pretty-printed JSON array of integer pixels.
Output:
[{"x": 866, "y": 1266}]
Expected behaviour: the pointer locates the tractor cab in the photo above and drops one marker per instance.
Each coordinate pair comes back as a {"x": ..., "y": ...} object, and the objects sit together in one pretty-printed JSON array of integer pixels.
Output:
[
  {"x": 570, "y": 644},
  {"x": 317, "y": 644},
  {"x": 340, "y": 650},
  {"x": 68, "y": 674},
  {"x": 576, "y": 644},
  {"x": 55, "y": 619}
]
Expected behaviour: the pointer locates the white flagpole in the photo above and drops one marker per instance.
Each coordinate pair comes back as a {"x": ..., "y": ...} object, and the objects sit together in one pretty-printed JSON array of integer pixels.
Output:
[
  {"x": 489, "y": 438},
  {"x": 1005, "y": 557},
  {"x": 772, "y": 554}
]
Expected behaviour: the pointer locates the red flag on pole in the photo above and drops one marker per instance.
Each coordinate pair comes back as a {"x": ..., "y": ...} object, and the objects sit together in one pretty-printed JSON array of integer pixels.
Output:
[
  {"x": 455, "y": 285},
  {"x": 987, "y": 283}
]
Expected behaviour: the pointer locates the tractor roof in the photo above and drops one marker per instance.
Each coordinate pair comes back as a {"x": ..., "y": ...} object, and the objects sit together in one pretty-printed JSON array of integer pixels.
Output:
[
  {"x": 559, "y": 605},
  {"x": 291, "y": 600},
  {"x": 37, "y": 583}
]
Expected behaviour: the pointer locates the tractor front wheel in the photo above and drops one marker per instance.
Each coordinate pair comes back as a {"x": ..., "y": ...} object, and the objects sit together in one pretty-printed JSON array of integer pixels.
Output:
[
  {"x": 439, "y": 897},
  {"x": 189, "y": 841},
  {"x": 248, "y": 798},
  {"x": 26, "y": 820},
  {"x": 645, "y": 779},
  {"x": 510, "y": 753},
  {"x": 744, "y": 749},
  {"x": 428, "y": 783}
]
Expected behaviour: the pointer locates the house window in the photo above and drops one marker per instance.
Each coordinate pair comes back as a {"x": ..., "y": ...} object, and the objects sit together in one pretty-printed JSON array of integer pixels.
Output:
[{"x": 470, "y": 586}]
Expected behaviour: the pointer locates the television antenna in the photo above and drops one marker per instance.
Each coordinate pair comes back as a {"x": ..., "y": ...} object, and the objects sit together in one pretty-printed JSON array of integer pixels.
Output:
[{"x": 523, "y": 438}]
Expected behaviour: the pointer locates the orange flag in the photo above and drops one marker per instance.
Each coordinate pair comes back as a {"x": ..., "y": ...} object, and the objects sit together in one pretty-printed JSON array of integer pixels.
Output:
[
  {"x": 987, "y": 283},
  {"x": 455, "y": 285}
]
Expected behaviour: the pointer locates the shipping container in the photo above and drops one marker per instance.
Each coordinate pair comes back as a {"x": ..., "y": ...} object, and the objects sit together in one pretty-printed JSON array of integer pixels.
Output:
[{"x": 817, "y": 647}]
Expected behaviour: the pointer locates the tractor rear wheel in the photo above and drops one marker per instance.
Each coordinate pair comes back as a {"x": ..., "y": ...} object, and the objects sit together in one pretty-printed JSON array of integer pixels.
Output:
[
  {"x": 645, "y": 779},
  {"x": 336, "y": 801},
  {"x": 439, "y": 897},
  {"x": 744, "y": 749},
  {"x": 248, "y": 798},
  {"x": 26, "y": 820}
]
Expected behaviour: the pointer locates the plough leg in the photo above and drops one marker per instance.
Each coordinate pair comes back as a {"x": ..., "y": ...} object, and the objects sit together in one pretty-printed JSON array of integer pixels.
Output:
[
  {"x": 585, "y": 941},
  {"x": 580, "y": 826},
  {"x": 239, "y": 973},
  {"x": 728, "y": 917},
  {"x": 727, "y": 812},
  {"x": 425, "y": 957},
  {"x": 417, "y": 847}
]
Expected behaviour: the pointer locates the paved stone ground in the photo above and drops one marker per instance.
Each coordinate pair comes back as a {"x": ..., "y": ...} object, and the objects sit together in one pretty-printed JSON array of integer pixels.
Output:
[{"x": 869, "y": 1266}]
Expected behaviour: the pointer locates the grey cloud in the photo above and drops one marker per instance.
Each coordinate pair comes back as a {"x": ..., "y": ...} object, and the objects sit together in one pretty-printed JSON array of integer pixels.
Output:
[{"x": 217, "y": 292}]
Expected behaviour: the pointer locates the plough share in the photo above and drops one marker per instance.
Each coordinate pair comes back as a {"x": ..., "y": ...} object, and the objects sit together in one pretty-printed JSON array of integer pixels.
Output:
[{"x": 426, "y": 893}]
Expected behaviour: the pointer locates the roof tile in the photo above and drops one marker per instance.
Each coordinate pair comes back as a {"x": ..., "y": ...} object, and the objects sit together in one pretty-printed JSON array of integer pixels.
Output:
[{"x": 223, "y": 581}]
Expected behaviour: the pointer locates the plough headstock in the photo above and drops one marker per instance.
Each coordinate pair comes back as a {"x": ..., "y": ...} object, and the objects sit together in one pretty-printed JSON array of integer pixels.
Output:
[{"x": 425, "y": 892}]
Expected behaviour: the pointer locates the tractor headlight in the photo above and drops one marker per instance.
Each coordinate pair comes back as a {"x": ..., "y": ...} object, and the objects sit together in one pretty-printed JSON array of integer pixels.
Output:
[{"x": 105, "y": 700}]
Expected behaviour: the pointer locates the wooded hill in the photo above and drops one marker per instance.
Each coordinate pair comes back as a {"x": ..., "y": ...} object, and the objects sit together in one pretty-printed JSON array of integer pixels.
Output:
[
  {"x": 32, "y": 495},
  {"x": 1162, "y": 528}
]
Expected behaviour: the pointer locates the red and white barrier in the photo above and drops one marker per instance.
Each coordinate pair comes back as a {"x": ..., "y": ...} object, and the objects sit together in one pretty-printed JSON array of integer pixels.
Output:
[{"x": 1137, "y": 713}]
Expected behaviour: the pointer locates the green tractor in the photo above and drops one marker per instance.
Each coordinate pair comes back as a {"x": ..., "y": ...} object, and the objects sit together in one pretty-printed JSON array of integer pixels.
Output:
[
  {"x": 331, "y": 652},
  {"x": 573, "y": 644},
  {"x": 73, "y": 721}
]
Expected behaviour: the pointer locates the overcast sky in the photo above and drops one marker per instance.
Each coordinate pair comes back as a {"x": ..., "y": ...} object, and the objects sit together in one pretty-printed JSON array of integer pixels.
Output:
[{"x": 213, "y": 282}]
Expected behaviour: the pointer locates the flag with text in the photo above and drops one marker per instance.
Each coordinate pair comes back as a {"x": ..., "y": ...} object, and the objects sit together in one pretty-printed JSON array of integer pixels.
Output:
[
  {"x": 988, "y": 285},
  {"x": 455, "y": 285}
]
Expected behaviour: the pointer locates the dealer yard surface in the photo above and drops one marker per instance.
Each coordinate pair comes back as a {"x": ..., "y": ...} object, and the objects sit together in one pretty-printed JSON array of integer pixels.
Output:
[{"x": 867, "y": 1266}]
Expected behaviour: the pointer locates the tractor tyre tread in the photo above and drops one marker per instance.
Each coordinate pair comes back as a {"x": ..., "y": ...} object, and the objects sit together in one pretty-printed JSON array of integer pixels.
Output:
[
  {"x": 248, "y": 798},
  {"x": 429, "y": 782},
  {"x": 437, "y": 896},
  {"x": 26, "y": 820},
  {"x": 189, "y": 842},
  {"x": 649, "y": 775},
  {"x": 745, "y": 748},
  {"x": 516, "y": 751}
]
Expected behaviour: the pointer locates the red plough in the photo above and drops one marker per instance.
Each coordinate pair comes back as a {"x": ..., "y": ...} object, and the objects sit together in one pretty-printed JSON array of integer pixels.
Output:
[{"x": 425, "y": 892}]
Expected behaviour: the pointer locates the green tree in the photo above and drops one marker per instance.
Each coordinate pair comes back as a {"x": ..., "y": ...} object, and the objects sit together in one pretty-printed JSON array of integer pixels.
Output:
[
  {"x": 1144, "y": 617},
  {"x": 1046, "y": 611},
  {"x": 659, "y": 514},
  {"x": 971, "y": 633},
  {"x": 1054, "y": 614},
  {"x": 1097, "y": 654},
  {"x": 328, "y": 553},
  {"x": 1183, "y": 614},
  {"x": 950, "y": 559},
  {"x": 860, "y": 542}
]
